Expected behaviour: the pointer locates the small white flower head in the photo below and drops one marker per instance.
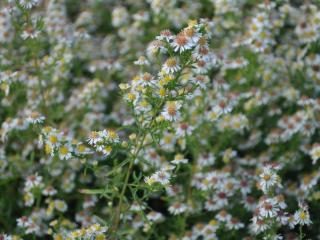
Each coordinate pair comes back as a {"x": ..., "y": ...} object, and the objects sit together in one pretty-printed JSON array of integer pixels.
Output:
[
  {"x": 146, "y": 79},
  {"x": 112, "y": 137},
  {"x": 162, "y": 177},
  {"x": 28, "y": 199},
  {"x": 171, "y": 111},
  {"x": 223, "y": 216},
  {"x": 302, "y": 216},
  {"x": 27, "y": 4},
  {"x": 35, "y": 118},
  {"x": 136, "y": 207},
  {"x": 94, "y": 138},
  {"x": 234, "y": 224},
  {"x": 120, "y": 16},
  {"x": 259, "y": 225},
  {"x": 192, "y": 34},
  {"x": 268, "y": 179},
  {"x": 178, "y": 208},
  {"x": 184, "y": 129},
  {"x": 171, "y": 66},
  {"x": 150, "y": 180},
  {"x": 165, "y": 35},
  {"x": 49, "y": 191},
  {"x": 268, "y": 208},
  {"x": 23, "y": 222},
  {"x": 64, "y": 152},
  {"x": 60, "y": 205},
  {"x": 54, "y": 139},
  {"x": 30, "y": 32},
  {"x": 315, "y": 153},
  {"x": 105, "y": 150},
  {"x": 155, "y": 216},
  {"x": 181, "y": 43},
  {"x": 141, "y": 61},
  {"x": 33, "y": 181},
  {"x": 179, "y": 159}
]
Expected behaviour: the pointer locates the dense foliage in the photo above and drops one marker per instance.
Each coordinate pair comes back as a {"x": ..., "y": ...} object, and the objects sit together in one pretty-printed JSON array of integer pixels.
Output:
[{"x": 159, "y": 119}]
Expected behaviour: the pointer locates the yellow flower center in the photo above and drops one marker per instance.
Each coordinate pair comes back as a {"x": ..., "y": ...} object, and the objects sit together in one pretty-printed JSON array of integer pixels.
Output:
[
  {"x": 303, "y": 215},
  {"x": 53, "y": 139},
  {"x": 171, "y": 62},
  {"x": 171, "y": 108},
  {"x": 266, "y": 177},
  {"x": 63, "y": 150},
  {"x": 112, "y": 134}
]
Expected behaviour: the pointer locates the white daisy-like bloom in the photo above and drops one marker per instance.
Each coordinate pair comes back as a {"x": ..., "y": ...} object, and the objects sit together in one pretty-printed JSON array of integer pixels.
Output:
[
  {"x": 268, "y": 179},
  {"x": 184, "y": 129},
  {"x": 143, "y": 106},
  {"x": 35, "y": 118},
  {"x": 315, "y": 153},
  {"x": 202, "y": 53},
  {"x": 136, "y": 207},
  {"x": 221, "y": 199},
  {"x": 282, "y": 217},
  {"x": 120, "y": 16},
  {"x": 249, "y": 203},
  {"x": 235, "y": 224},
  {"x": 181, "y": 43},
  {"x": 192, "y": 35},
  {"x": 49, "y": 191},
  {"x": 142, "y": 16},
  {"x": 103, "y": 134},
  {"x": 154, "y": 216},
  {"x": 209, "y": 230},
  {"x": 162, "y": 177},
  {"x": 201, "y": 66},
  {"x": 105, "y": 150},
  {"x": 302, "y": 217},
  {"x": 28, "y": 199},
  {"x": 258, "y": 225},
  {"x": 89, "y": 201},
  {"x": 223, "y": 216},
  {"x": 141, "y": 61},
  {"x": 235, "y": 64},
  {"x": 280, "y": 199},
  {"x": 154, "y": 47},
  {"x": 165, "y": 35},
  {"x": 30, "y": 33},
  {"x": 27, "y": 4},
  {"x": 179, "y": 159},
  {"x": 64, "y": 152},
  {"x": 60, "y": 205},
  {"x": 201, "y": 81},
  {"x": 82, "y": 149},
  {"x": 146, "y": 79},
  {"x": 171, "y": 111},
  {"x": 171, "y": 66},
  {"x": 291, "y": 221},
  {"x": 178, "y": 208},
  {"x": 150, "y": 180},
  {"x": 94, "y": 138},
  {"x": 33, "y": 181},
  {"x": 211, "y": 205},
  {"x": 23, "y": 222},
  {"x": 206, "y": 159},
  {"x": 268, "y": 208},
  {"x": 113, "y": 137},
  {"x": 213, "y": 114},
  {"x": 97, "y": 229},
  {"x": 222, "y": 107}
]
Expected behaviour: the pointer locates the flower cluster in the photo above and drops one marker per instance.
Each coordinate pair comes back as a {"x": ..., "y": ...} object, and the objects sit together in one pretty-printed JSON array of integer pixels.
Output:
[{"x": 159, "y": 119}]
